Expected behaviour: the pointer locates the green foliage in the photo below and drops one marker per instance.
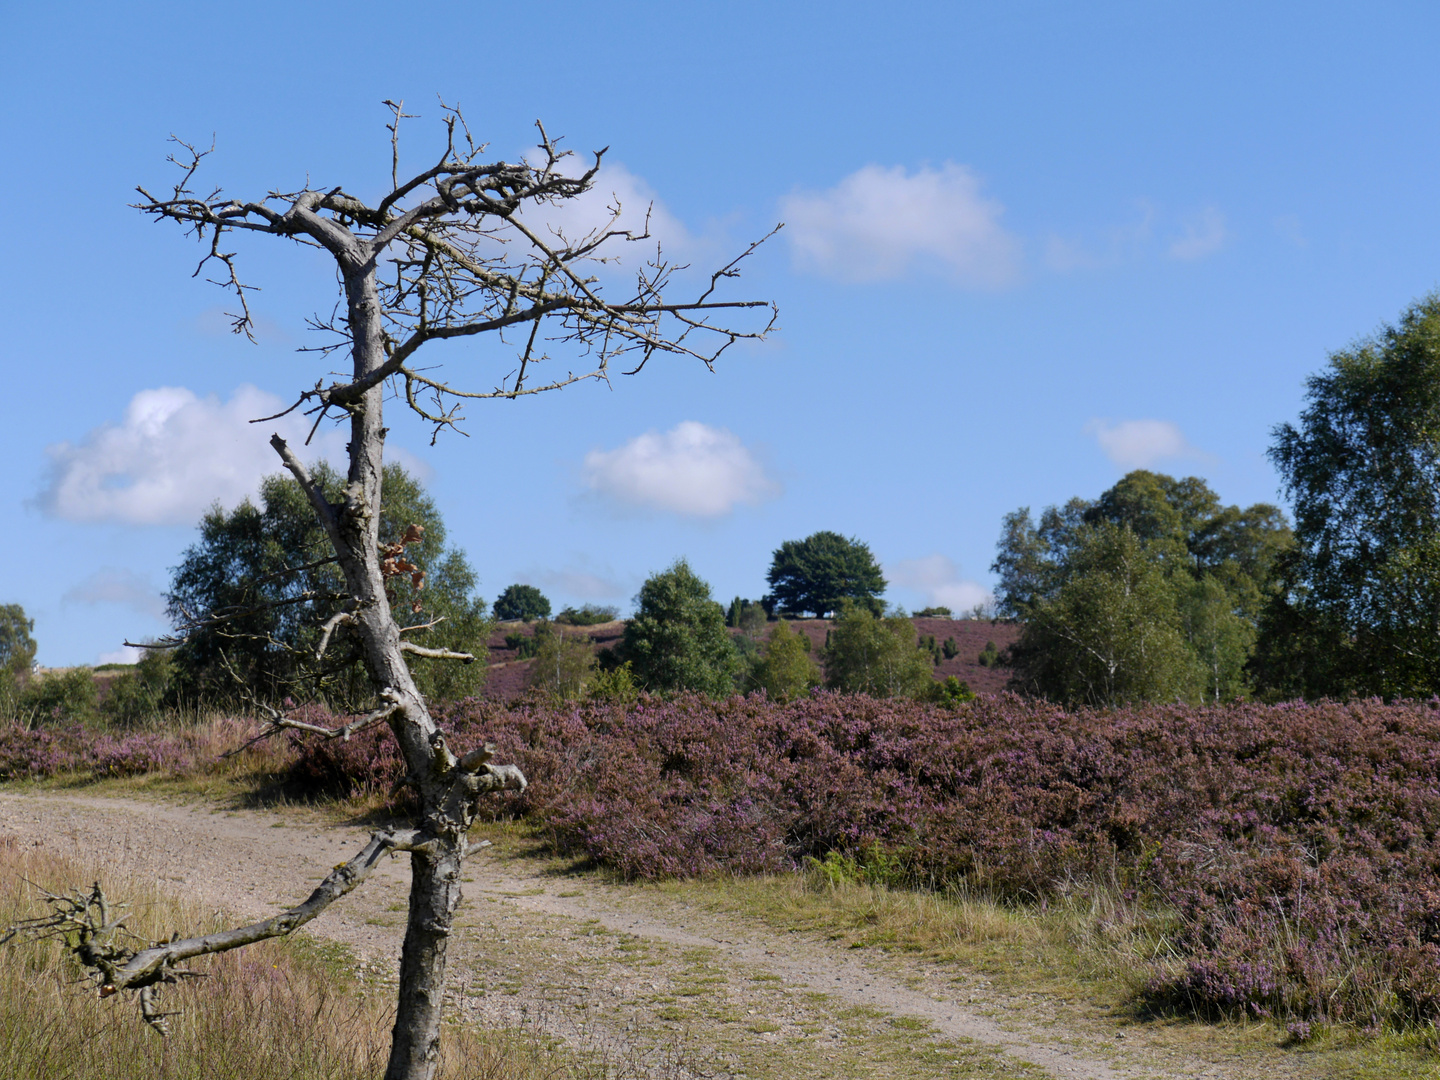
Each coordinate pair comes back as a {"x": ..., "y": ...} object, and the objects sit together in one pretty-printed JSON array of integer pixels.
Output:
[
  {"x": 524, "y": 602},
  {"x": 747, "y": 616},
  {"x": 677, "y": 640},
  {"x": 951, "y": 693},
  {"x": 269, "y": 567},
  {"x": 615, "y": 685},
  {"x": 564, "y": 665},
  {"x": 528, "y": 646},
  {"x": 62, "y": 697},
  {"x": 950, "y": 649},
  {"x": 1358, "y": 612},
  {"x": 588, "y": 615},
  {"x": 785, "y": 670},
  {"x": 141, "y": 693},
  {"x": 17, "y": 646},
  {"x": 989, "y": 656},
  {"x": 868, "y": 654},
  {"x": 1151, "y": 592},
  {"x": 927, "y": 644},
  {"x": 1112, "y": 633},
  {"x": 821, "y": 572},
  {"x": 934, "y": 613}
]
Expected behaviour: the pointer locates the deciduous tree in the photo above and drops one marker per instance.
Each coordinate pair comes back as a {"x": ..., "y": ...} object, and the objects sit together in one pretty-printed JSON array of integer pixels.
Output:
[
  {"x": 677, "y": 640},
  {"x": 456, "y": 251},
  {"x": 1103, "y": 586},
  {"x": 1359, "y": 613},
  {"x": 17, "y": 645},
  {"x": 868, "y": 654},
  {"x": 785, "y": 669},
  {"x": 821, "y": 572},
  {"x": 524, "y": 602}
]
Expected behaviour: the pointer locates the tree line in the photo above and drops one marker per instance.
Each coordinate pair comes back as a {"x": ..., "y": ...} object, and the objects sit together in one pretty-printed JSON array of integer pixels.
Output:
[
  {"x": 1155, "y": 591},
  {"x": 1152, "y": 591}
]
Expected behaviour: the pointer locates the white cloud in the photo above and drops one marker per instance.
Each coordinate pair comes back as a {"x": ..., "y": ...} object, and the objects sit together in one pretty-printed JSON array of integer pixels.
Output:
[
  {"x": 1139, "y": 444},
  {"x": 877, "y": 221},
  {"x": 171, "y": 456},
  {"x": 692, "y": 469},
  {"x": 1205, "y": 234},
  {"x": 114, "y": 585},
  {"x": 126, "y": 654},
  {"x": 938, "y": 579}
]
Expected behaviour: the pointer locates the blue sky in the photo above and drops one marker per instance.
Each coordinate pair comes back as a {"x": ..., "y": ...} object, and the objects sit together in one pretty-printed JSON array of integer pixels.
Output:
[{"x": 1029, "y": 247}]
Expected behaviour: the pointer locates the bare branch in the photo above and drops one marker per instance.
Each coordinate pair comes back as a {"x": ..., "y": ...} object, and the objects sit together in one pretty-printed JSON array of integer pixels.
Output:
[
  {"x": 340, "y": 618},
  {"x": 93, "y": 930},
  {"x": 435, "y": 654}
]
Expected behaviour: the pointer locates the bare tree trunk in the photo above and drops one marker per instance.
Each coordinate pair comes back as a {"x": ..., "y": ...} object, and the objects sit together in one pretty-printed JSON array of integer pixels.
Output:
[
  {"x": 434, "y": 896},
  {"x": 445, "y": 278}
]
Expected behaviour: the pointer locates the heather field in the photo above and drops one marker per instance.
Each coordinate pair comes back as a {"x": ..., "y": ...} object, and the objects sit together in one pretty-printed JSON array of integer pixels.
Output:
[{"x": 1262, "y": 861}]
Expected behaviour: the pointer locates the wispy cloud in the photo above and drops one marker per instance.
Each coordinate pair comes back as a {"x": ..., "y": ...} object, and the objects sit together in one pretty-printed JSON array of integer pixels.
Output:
[
  {"x": 581, "y": 584},
  {"x": 1204, "y": 234},
  {"x": 116, "y": 585},
  {"x": 693, "y": 469},
  {"x": 1106, "y": 247},
  {"x": 937, "y": 578},
  {"x": 170, "y": 457},
  {"x": 126, "y": 654},
  {"x": 1139, "y": 444},
  {"x": 617, "y": 200},
  {"x": 879, "y": 222}
]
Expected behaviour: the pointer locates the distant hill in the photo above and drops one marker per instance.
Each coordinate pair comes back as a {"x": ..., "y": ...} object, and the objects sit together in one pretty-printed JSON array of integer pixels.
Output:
[{"x": 508, "y": 671}]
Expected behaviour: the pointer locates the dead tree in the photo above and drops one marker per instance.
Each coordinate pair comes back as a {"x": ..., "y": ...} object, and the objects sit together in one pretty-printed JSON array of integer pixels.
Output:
[{"x": 456, "y": 251}]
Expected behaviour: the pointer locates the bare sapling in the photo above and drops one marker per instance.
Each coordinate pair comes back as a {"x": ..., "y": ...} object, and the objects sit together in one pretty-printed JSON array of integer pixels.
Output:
[{"x": 458, "y": 250}]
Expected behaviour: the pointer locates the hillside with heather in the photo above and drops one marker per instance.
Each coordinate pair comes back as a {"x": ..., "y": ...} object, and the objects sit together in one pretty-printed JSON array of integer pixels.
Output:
[{"x": 508, "y": 670}]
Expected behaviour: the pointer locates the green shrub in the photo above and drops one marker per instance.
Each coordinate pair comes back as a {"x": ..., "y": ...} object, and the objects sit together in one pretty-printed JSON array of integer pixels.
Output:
[
  {"x": 528, "y": 645},
  {"x": 614, "y": 685},
  {"x": 67, "y": 697},
  {"x": 785, "y": 670},
  {"x": 141, "y": 692},
  {"x": 588, "y": 615},
  {"x": 989, "y": 656},
  {"x": 950, "y": 649},
  {"x": 950, "y": 693},
  {"x": 563, "y": 666}
]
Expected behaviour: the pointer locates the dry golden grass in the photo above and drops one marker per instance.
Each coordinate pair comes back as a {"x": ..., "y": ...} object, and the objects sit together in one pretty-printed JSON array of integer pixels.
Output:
[{"x": 278, "y": 1010}]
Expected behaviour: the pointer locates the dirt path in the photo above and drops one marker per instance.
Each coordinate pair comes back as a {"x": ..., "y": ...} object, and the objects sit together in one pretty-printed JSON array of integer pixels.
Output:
[{"x": 623, "y": 972}]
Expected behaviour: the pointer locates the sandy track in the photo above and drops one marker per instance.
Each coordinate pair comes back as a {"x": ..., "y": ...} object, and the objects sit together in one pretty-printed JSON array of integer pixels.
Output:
[{"x": 619, "y": 968}]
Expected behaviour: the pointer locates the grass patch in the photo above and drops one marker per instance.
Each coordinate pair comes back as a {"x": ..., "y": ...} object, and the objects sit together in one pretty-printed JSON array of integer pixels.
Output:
[{"x": 294, "y": 1007}]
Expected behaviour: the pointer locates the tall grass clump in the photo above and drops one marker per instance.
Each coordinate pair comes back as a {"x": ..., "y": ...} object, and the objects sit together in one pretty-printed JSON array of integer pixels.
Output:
[
  {"x": 261, "y": 1012},
  {"x": 275, "y": 1010}
]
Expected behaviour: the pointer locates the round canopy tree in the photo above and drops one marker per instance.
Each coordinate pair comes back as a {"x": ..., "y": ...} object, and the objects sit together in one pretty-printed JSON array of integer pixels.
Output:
[
  {"x": 821, "y": 572},
  {"x": 524, "y": 602}
]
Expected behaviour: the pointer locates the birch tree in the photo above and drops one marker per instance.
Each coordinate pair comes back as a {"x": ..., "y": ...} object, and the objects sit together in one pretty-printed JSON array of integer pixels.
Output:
[{"x": 456, "y": 251}]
